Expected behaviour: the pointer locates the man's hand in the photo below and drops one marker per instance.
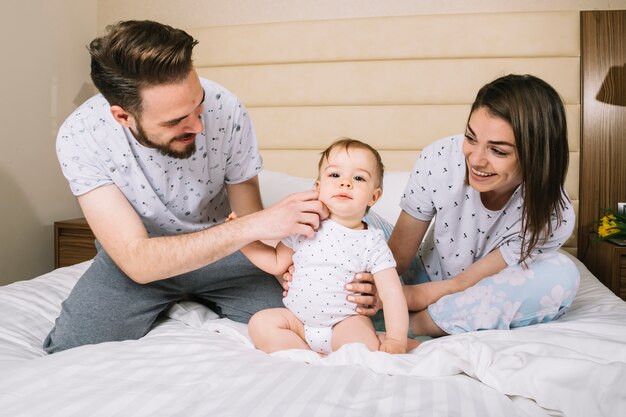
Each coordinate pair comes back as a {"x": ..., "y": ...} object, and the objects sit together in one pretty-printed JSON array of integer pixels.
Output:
[
  {"x": 297, "y": 214},
  {"x": 364, "y": 294}
]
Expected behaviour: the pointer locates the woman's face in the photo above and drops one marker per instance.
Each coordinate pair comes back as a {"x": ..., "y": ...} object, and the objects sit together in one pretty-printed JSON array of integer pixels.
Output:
[{"x": 491, "y": 156}]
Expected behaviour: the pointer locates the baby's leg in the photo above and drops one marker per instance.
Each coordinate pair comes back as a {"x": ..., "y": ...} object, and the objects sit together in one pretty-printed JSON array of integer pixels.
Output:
[
  {"x": 276, "y": 329},
  {"x": 355, "y": 329},
  {"x": 410, "y": 343}
]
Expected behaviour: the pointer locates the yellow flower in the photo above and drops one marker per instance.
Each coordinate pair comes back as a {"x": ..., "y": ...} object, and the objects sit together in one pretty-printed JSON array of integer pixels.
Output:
[
  {"x": 607, "y": 226},
  {"x": 612, "y": 225}
]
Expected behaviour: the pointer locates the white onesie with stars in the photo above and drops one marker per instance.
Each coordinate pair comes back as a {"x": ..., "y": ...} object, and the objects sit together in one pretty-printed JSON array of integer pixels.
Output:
[{"x": 323, "y": 265}]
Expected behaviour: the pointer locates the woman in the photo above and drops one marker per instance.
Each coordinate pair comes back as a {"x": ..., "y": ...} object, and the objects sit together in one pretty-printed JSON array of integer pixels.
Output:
[{"x": 500, "y": 213}]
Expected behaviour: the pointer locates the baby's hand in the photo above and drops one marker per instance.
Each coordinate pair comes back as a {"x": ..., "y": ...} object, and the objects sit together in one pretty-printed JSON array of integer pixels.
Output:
[
  {"x": 392, "y": 346},
  {"x": 231, "y": 216},
  {"x": 286, "y": 280}
]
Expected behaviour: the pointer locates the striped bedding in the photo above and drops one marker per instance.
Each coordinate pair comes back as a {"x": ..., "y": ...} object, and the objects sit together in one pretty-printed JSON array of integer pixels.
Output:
[
  {"x": 192, "y": 363},
  {"x": 195, "y": 364}
]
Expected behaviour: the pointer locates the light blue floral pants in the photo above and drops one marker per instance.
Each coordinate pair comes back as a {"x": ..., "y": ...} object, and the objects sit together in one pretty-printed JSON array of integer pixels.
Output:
[{"x": 514, "y": 297}]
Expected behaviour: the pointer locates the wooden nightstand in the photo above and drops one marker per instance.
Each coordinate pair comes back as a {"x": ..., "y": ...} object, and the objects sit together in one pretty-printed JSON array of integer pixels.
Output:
[
  {"x": 609, "y": 265},
  {"x": 73, "y": 242}
]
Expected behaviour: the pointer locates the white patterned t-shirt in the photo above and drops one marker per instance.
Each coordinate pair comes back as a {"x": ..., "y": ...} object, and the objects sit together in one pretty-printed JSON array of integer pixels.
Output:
[
  {"x": 171, "y": 195},
  {"x": 464, "y": 230}
]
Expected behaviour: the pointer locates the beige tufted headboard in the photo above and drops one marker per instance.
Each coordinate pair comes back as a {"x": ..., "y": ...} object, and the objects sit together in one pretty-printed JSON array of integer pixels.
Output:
[{"x": 397, "y": 83}]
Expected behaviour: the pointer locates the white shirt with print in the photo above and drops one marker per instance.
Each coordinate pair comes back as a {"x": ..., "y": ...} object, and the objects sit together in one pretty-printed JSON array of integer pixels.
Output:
[
  {"x": 464, "y": 230},
  {"x": 170, "y": 195}
]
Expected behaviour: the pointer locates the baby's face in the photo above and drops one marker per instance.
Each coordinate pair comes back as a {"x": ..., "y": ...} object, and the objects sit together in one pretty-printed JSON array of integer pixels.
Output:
[{"x": 348, "y": 183}]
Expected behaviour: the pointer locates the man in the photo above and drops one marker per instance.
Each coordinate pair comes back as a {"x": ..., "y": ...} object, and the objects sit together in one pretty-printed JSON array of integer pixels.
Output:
[{"x": 158, "y": 160}]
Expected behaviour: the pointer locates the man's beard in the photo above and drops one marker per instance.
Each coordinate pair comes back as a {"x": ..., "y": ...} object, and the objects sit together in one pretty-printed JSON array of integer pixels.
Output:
[{"x": 166, "y": 150}]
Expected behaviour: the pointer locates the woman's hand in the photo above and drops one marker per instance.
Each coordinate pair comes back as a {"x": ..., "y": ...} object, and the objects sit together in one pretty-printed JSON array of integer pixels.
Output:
[
  {"x": 420, "y": 296},
  {"x": 363, "y": 293}
]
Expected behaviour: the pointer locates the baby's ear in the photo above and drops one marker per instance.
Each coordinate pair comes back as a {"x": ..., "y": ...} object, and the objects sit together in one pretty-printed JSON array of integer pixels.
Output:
[
  {"x": 317, "y": 185},
  {"x": 377, "y": 194}
]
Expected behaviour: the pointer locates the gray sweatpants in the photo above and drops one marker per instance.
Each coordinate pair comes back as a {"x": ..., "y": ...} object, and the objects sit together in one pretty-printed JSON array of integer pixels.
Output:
[{"x": 106, "y": 305}]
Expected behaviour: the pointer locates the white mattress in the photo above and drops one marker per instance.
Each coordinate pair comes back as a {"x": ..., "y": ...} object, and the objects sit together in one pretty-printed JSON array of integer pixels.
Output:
[{"x": 195, "y": 364}]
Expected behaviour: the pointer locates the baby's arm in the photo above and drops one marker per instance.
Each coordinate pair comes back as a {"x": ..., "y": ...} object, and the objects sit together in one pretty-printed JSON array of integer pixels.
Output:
[
  {"x": 395, "y": 310},
  {"x": 272, "y": 260}
]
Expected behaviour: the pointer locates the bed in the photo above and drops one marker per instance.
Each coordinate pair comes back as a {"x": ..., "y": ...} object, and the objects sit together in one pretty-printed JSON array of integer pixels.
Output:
[{"x": 193, "y": 363}]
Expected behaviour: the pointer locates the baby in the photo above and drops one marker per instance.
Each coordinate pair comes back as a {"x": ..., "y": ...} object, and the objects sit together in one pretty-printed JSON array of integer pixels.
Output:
[{"x": 318, "y": 315}]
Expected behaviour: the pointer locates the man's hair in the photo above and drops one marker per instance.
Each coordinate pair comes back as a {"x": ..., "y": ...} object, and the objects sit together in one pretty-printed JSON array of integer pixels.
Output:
[
  {"x": 536, "y": 114},
  {"x": 136, "y": 54},
  {"x": 347, "y": 144}
]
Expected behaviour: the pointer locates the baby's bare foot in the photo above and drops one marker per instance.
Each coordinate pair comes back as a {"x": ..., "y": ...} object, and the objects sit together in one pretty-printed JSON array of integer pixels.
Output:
[{"x": 412, "y": 344}]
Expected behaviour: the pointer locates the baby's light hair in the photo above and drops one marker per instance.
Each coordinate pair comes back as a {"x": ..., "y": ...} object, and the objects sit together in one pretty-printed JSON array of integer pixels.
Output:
[{"x": 347, "y": 143}]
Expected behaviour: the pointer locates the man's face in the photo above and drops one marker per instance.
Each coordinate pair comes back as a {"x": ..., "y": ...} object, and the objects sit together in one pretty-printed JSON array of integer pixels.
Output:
[{"x": 171, "y": 117}]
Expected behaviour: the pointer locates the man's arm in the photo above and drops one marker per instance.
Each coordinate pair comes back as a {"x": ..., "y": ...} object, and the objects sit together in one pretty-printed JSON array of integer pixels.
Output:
[
  {"x": 245, "y": 197},
  {"x": 120, "y": 231}
]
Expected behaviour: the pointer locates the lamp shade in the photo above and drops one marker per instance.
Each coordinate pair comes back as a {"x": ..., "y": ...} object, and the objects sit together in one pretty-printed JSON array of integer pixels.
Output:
[{"x": 613, "y": 89}]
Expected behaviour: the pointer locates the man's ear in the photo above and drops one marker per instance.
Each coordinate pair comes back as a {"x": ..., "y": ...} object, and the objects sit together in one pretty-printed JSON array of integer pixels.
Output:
[{"x": 122, "y": 116}]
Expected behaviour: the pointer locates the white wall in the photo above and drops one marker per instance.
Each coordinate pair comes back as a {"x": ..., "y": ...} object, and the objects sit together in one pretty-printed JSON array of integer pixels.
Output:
[
  {"x": 44, "y": 68},
  {"x": 45, "y": 74},
  {"x": 201, "y": 13}
]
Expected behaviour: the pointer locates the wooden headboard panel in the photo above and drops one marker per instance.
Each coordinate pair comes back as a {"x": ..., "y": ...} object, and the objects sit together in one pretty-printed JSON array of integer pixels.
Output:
[
  {"x": 603, "y": 136},
  {"x": 397, "y": 83}
]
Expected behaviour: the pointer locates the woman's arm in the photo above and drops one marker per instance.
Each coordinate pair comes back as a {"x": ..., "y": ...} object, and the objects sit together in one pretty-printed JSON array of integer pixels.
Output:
[
  {"x": 420, "y": 296},
  {"x": 395, "y": 310},
  {"x": 405, "y": 239},
  {"x": 487, "y": 266}
]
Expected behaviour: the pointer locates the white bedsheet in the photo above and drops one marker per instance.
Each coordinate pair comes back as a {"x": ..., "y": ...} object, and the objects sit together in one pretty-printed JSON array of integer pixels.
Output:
[{"x": 194, "y": 363}]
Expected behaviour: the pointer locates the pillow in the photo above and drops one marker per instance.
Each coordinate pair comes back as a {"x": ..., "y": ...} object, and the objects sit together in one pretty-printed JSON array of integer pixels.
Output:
[
  {"x": 277, "y": 185},
  {"x": 388, "y": 206},
  {"x": 383, "y": 215}
]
